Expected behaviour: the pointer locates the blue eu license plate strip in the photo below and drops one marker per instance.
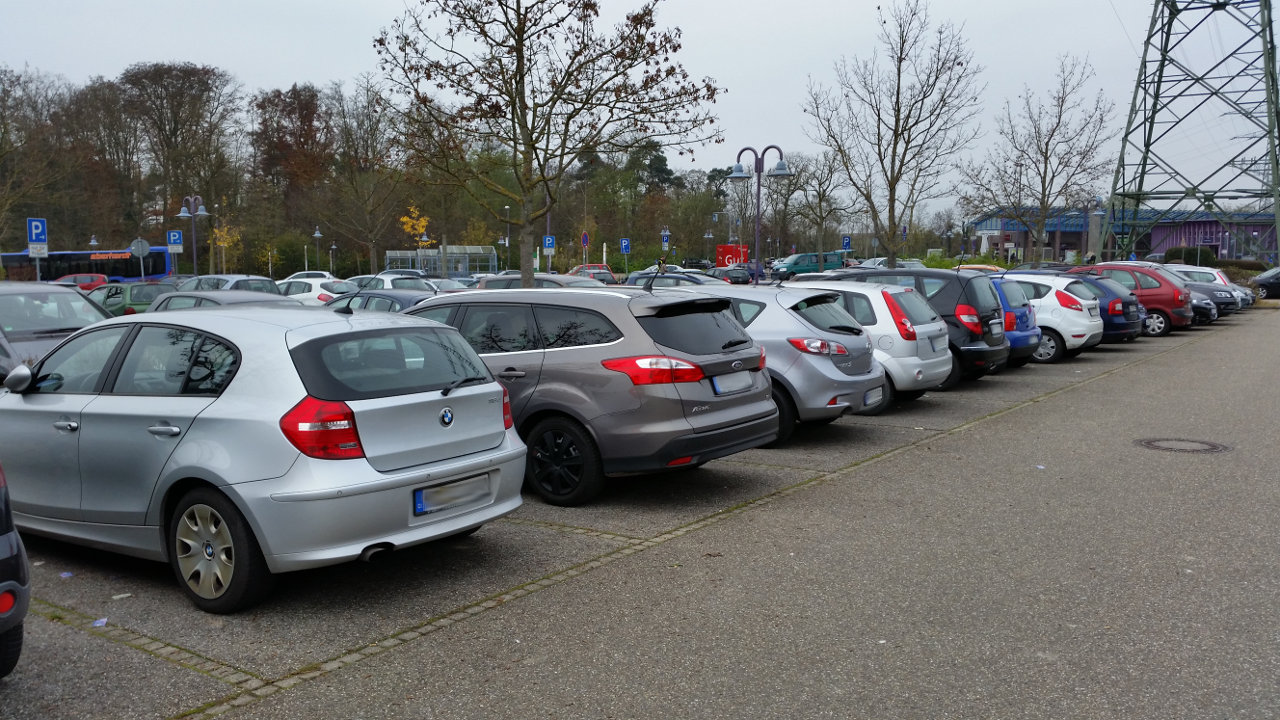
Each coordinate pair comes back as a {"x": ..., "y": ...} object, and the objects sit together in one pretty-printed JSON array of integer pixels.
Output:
[
  {"x": 455, "y": 494},
  {"x": 731, "y": 383}
]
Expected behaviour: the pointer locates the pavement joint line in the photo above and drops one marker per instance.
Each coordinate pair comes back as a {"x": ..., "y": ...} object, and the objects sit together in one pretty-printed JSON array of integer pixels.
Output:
[
  {"x": 635, "y": 545},
  {"x": 170, "y": 653},
  {"x": 573, "y": 529}
]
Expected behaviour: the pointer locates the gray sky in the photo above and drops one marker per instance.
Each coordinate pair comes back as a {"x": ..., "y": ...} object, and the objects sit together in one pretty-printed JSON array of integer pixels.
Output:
[{"x": 764, "y": 52}]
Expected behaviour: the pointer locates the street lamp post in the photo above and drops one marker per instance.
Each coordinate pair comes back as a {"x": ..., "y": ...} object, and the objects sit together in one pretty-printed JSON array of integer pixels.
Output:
[
  {"x": 740, "y": 174},
  {"x": 507, "y": 240},
  {"x": 332, "y": 248},
  {"x": 708, "y": 239},
  {"x": 317, "y": 236},
  {"x": 193, "y": 207}
]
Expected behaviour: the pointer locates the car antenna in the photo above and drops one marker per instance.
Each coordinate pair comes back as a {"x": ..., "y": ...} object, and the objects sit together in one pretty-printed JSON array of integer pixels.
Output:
[
  {"x": 346, "y": 309},
  {"x": 662, "y": 267}
]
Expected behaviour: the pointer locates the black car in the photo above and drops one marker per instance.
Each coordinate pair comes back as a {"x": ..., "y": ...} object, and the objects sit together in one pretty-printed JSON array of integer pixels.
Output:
[
  {"x": 1266, "y": 284},
  {"x": 966, "y": 299},
  {"x": 15, "y": 585},
  {"x": 734, "y": 275},
  {"x": 385, "y": 300}
]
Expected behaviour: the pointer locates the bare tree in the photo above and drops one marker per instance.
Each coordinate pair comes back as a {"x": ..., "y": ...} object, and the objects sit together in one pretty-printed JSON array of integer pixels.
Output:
[
  {"x": 823, "y": 200},
  {"x": 29, "y": 161},
  {"x": 1050, "y": 154},
  {"x": 897, "y": 124},
  {"x": 540, "y": 83}
]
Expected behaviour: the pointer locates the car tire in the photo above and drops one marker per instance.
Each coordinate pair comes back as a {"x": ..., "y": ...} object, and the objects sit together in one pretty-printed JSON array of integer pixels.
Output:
[
  {"x": 563, "y": 466},
  {"x": 1261, "y": 292},
  {"x": 214, "y": 554},
  {"x": 955, "y": 376},
  {"x": 909, "y": 394},
  {"x": 1157, "y": 324},
  {"x": 786, "y": 416},
  {"x": 10, "y": 649},
  {"x": 1050, "y": 348}
]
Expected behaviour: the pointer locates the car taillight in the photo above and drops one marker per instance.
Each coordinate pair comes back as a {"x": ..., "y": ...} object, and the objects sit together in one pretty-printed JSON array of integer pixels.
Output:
[
  {"x": 324, "y": 297},
  {"x": 322, "y": 429},
  {"x": 130, "y": 311},
  {"x": 655, "y": 369},
  {"x": 967, "y": 315},
  {"x": 7, "y": 600},
  {"x": 507, "y": 420},
  {"x": 900, "y": 320},
  {"x": 1010, "y": 320},
  {"x": 761, "y": 367},
  {"x": 818, "y": 346},
  {"x": 1116, "y": 307},
  {"x": 1068, "y": 301}
]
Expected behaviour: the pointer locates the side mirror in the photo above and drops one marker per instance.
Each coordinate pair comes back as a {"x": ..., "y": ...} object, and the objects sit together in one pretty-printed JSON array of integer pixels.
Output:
[{"x": 18, "y": 379}]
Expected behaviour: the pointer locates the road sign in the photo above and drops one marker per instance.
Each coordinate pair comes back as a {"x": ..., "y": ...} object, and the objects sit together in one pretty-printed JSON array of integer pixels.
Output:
[
  {"x": 626, "y": 246},
  {"x": 549, "y": 244},
  {"x": 174, "y": 237},
  {"x": 666, "y": 241},
  {"x": 37, "y": 238},
  {"x": 139, "y": 248},
  {"x": 585, "y": 239},
  {"x": 846, "y": 242},
  {"x": 904, "y": 233}
]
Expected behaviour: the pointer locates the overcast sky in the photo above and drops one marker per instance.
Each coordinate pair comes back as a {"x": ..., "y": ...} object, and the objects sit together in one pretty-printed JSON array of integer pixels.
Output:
[{"x": 763, "y": 52}]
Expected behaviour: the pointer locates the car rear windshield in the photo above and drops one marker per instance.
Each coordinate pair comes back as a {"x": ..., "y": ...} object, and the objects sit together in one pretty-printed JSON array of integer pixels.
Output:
[
  {"x": 338, "y": 287},
  {"x": 1111, "y": 285},
  {"x": 386, "y": 363},
  {"x": 918, "y": 310},
  {"x": 704, "y": 327},
  {"x": 983, "y": 294},
  {"x": 257, "y": 285},
  {"x": 1082, "y": 291},
  {"x": 827, "y": 313},
  {"x": 1013, "y": 293}
]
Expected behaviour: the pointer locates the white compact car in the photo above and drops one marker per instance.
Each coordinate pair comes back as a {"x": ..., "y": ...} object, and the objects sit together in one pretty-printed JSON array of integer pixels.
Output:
[{"x": 1066, "y": 311}]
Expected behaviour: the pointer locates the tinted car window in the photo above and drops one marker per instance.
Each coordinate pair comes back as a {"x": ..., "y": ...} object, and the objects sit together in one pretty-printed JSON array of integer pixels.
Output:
[
  {"x": 381, "y": 304},
  {"x": 157, "y": 362},
  {"x": 439, "y": 314},
  {"x": 918, "y": 310},
  {"x": 1082, "y": 291},
  {"x": 385, "y": 363},
  {"x": 410, "y": 283},
  {"x": 1033, "y": 290},
  {"x": 860, "y": 308},
  {"x": 1113, "y": 286},
  {"x": 747, "y": 310},
  {"x": 259, "y": 285},
  {"x": 563, "y": 327},
  {"x": 984, "y": 293},
  {"x": 933, "y": 285},
  {"x": 1123, "y": 277},
  {"x": 827, "y": 313},
  {"x": 1013, "y": 293},
  {"x": 498, "y": 328},
  {"x": 147, "y": 293},
  {"x": 76, "y": 366},
  {"x": 1146, "y": 281},
  {"x": 698, "y": 328},
  {"x": 45, "y": 311}
]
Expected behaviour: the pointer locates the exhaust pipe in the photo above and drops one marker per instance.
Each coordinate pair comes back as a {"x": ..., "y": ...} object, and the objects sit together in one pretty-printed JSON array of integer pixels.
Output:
[{"x": 368, "y": 553}]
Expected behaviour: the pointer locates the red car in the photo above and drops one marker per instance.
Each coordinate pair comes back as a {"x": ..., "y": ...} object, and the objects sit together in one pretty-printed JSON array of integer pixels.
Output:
[
  {"x": 85, "y": 281},
  {"x": 1166, "y": 298}
]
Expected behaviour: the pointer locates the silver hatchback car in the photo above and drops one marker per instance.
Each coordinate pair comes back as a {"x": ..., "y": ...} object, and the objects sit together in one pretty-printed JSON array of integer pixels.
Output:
[
  {"x": 909, "y": 337},
  {"x": 820, "y": 360},
  {"x": 237, "y": 443},
  {"x": 616, "y": 381}
]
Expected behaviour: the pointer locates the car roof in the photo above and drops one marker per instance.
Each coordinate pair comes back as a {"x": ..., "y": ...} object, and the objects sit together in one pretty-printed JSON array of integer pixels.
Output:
[
  {"x": 301, "y": 322},
  {"x": 21, "y": 287},
  {"x": 233, "y": 296}
]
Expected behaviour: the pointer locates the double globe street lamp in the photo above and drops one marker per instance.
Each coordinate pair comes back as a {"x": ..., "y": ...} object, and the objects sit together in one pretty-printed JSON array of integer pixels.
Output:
[
  {"x": 740, "y": 174},
  {"x": 193, "y": 207}
]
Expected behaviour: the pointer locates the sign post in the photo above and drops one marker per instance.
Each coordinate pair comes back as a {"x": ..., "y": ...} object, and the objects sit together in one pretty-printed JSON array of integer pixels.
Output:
[
  {"x": 37, "y": 241},
  {"x": 585, "y": 241},
  {"x": 140, "y": 248}
]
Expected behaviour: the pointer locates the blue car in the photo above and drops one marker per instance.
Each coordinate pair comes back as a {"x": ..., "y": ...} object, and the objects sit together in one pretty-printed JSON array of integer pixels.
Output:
[
  {"x": 1019, "y": 321},
  {"x": 1122, "y": 314}
]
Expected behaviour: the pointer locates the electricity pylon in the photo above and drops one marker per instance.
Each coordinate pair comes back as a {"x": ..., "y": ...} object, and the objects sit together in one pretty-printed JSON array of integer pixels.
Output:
[{"x": 1200, "y": 140}]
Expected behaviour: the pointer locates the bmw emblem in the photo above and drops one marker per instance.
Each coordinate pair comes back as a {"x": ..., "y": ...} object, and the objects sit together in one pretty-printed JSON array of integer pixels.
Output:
[{"x": 446, "y": 417}]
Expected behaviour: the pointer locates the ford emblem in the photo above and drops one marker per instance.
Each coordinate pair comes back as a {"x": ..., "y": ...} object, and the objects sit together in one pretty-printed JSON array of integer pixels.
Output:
[
  {"x": 446, "y": 417},
  {"x": 737, "y": 365}
]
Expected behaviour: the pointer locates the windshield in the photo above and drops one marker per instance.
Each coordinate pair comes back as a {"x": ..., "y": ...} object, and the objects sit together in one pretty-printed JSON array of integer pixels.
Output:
[
  {"x": 443, "y": 284},
  {"x": 827, "y": 313},
  {"x": 37, "y": 313}
]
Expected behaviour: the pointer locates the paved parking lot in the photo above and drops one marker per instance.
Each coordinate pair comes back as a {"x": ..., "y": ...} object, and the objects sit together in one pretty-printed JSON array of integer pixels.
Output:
[{"x": 1001, "y": 550}]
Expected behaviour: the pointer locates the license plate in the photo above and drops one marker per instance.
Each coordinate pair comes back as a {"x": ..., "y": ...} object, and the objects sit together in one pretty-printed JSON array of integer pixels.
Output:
[
  {"x": 442, "y": 497},
  {"x": 731, "y": 383},
  {"x": 1093, "y": 312},
  {"x": 934, "y": 341}
]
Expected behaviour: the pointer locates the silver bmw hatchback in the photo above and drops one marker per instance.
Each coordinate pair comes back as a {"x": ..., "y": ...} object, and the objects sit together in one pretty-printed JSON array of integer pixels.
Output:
[{"x": 237, "y": 443}]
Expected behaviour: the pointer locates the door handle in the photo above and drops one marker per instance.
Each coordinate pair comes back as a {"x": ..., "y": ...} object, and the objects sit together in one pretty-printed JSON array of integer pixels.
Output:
[
  {"x": 511, "y": 374},
  {"x": 164, "y": 430},
  {"x": 68, "y": 425}
]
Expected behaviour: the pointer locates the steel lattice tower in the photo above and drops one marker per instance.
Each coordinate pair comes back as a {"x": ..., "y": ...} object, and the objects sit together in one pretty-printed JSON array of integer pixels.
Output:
[{"x": 1201, "y": 131}]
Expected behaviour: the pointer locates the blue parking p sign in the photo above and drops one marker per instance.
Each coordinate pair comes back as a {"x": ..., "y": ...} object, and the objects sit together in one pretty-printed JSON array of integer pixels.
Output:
[
  {"x": 174, "y": 237},
  {"x": 846, "y": 242},
  {"x": 37, "y": 230},
  {"x": 549, "y": 242},
  {"x": 626, "y": 246}
]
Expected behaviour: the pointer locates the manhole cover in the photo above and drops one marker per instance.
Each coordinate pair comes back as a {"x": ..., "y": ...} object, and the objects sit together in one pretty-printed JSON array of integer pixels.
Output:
[{"x": 1182, "y": 445}]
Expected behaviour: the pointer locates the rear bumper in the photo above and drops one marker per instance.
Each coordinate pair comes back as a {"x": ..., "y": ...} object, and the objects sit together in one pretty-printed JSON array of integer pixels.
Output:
[
  {"x": 1120, "y": 330},
  {"x": 1023, "y": 343},
  {"x": 14, "y": 578},
  {"x": 981, "y": 359},
  {"x": 698, "y": 447}
]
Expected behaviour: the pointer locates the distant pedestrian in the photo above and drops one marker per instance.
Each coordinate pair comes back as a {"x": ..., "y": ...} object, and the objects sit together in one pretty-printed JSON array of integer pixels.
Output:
[{"x": 1092, "y": 259}]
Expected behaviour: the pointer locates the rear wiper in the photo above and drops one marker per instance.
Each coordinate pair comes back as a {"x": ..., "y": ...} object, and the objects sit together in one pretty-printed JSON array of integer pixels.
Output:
[
  {"x": 459, "y": 382},
  {"x": 735, "y": 343},
  {"x": 848, "y": 329}
]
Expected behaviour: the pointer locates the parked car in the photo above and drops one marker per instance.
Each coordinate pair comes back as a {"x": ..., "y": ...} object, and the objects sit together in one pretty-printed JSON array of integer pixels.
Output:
[
  {"x": 34, "y": 317},
  {"x": 672, "y": 279},
  {"x": 1166, "y": 297},
  {"x": 257, "y": 283},
  {"x": 1212, "y": 283},
  {"x": 84, "y": 281},
  {"x": 180, "y": 300},
  {"x": 883, "y": 262},
  {"x": 1020, "y": 325},
  {"x": 797, "y": 263},
  {"x": 235, "y": 444},
  {"x": 908, "y": 337},
  {"x": 312, "y": 275},
  {"x": 15, "y": 585},
  {"x": 1204, "y": 310},
  {"x": 965, "y": 299},
  {"x": 1266, "y": 284},
  {"x": 315, "y": 291},
  {"x": 591, "y": 267},
  {"x": 391, "y": 300},
  {"x": 655, "y": 380},
  {"x": 436, "y": 284},
  {"x": 731, "y": 275},
  {"x": 820, "y": 359},
  {"x": 697, "y": 264},
  {"x": 1122, "y": 314},
  {"x": 540, "y": 280},
  {"x": 129, "y": 298},
  {"x": 1066, "y": 311},
  {"x": 603, "y": 276}
]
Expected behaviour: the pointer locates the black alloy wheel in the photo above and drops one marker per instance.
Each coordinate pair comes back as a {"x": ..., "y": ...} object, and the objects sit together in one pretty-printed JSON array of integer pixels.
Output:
[{"x": 563, "y": 464}]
